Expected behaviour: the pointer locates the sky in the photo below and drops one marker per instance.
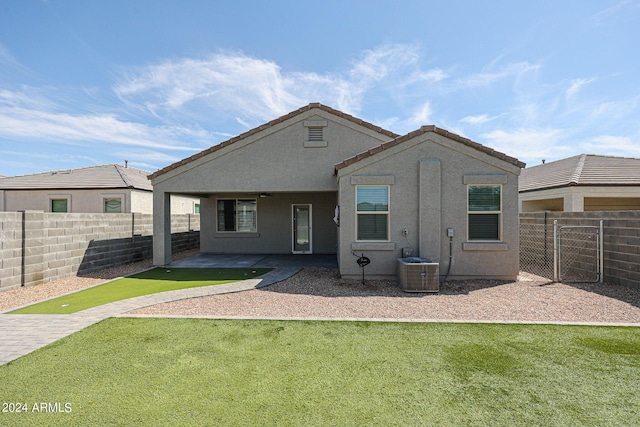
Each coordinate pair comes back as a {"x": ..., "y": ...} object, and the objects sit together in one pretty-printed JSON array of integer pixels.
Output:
[{"x": 86, "y": 83}]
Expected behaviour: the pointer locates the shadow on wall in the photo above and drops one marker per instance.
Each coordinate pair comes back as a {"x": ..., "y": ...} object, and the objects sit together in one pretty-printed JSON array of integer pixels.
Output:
[{"x": 102, "y": 254}]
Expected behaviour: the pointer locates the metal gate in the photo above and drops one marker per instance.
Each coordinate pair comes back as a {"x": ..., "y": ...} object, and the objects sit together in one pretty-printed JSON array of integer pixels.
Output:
[
  {"x": 562, "y": 253},
  {"x": 579, "y": 253}
]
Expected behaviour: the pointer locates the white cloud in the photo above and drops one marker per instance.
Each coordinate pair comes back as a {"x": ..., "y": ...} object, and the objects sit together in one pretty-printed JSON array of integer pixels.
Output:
[
  {"x": 613, "y": 145},
  {"x": 527, "y": 144},
  {"x": 23, "y": 117},
  {"x": 576, "y": 86},
  {"x": 479, "y": 119},
  {"x": 422, "y": 115},
  {"x": 254, "y": 90},
  {"x": 487, "y": 78}
]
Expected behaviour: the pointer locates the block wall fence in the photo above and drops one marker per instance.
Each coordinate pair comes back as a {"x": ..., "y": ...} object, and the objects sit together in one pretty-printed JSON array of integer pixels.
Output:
[
  {"x": 621, "y": 237},
  {"x": 38, "y": 247}
]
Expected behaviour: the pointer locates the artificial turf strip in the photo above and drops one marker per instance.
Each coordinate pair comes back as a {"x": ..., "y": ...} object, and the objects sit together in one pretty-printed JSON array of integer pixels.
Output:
[
  {"x": 178, "y": 372},
  {"x": 145, "y": 283}
]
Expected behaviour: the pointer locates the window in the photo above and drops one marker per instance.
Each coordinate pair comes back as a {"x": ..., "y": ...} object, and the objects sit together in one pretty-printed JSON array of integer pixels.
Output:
[
  {"x": 59, "y": 205},
  {"x": 238, "y": 215},
  {"x": 484, "y": 211},
  {"x": 372, "y": 212},
  {"x": 112, "y": 205},
  {"x": 196, "y": 208}
]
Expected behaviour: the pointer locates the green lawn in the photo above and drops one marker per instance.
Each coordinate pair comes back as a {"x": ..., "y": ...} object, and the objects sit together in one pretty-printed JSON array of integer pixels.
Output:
[
  {"x": 191, "y": 372},
  {"x": 148, "y": 282}
]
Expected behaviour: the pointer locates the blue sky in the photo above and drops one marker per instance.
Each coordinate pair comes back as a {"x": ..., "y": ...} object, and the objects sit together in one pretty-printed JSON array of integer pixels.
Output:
[{"x": 153, "y": 81}]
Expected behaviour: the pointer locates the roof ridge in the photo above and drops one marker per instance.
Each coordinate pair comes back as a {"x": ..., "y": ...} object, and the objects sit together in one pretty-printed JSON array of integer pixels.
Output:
[
  {"x": 124, "y": 176},
  {"x": 577, "y": 173},
  {"x": 425, "y": 129}
]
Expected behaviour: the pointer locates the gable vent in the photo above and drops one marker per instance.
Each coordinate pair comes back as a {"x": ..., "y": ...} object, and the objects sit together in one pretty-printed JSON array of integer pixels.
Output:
[{"x": 316, "y": 134}]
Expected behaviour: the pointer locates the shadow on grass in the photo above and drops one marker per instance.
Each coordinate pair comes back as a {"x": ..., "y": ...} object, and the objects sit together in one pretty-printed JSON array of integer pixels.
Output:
[
  {"x": 200, "y": 274},
  {"x": 148, "y": 282}
]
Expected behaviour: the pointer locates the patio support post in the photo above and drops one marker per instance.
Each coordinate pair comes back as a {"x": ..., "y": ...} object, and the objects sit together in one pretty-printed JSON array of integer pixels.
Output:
[{"x": 161, "y": 228}]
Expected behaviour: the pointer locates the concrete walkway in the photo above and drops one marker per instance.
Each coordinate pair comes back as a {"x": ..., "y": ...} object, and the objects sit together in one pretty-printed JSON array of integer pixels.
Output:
[{"x": 23, "y": 333}]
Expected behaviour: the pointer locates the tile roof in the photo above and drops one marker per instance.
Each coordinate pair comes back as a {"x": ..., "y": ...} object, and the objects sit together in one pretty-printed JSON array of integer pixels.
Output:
[
  {"x": 583, "y": 169},
  {"x": 105, "y": 176},
  {"x": 426, "y": 129},
  {"x": 270, "y": 124}
]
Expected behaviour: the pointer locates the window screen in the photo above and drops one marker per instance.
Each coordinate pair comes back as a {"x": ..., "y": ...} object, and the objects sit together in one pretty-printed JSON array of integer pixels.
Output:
[
  {"x": 484, "y": 212},
  {"x": 372, "y": 211}
]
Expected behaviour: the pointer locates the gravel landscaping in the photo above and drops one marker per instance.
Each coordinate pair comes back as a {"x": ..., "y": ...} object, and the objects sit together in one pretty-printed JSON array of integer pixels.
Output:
[{"x": 319, "y": 292}]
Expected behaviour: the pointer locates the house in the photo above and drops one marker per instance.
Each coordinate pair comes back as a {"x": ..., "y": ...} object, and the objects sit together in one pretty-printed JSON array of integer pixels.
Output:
[
  {"x": 320, "y": 181},
  {"x": 95, "y": 189},
  {"x": 586, "y": 182}
]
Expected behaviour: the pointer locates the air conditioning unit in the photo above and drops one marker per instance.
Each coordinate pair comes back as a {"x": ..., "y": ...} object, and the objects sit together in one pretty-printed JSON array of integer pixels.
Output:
[{"x": 418, "y": 275}]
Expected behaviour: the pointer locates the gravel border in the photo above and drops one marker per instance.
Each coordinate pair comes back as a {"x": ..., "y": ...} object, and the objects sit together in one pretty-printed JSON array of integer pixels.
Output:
[{"x": 321, "y": 293}]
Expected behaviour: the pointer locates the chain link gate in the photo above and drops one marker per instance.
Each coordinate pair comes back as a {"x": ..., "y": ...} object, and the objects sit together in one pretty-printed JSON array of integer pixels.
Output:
[
  {"x": 578, "y": 253},
  {"x": 562, "y": 253},
  {"x": 536, "y": 249}
]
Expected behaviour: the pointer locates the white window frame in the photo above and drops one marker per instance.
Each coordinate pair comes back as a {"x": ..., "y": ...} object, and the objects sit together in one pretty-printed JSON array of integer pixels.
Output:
[
  {"x": 293, "y": 225},
  {"x": 498, "y": 212},
  {"x": 236, "y": 200},
  {"x": 387, "y": 213}
]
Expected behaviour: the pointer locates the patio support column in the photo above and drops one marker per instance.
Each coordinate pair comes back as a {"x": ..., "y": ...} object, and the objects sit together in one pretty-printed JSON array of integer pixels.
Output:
[
  {"x": 161, "y": 228},
  {"x": 429, "y": 209}
]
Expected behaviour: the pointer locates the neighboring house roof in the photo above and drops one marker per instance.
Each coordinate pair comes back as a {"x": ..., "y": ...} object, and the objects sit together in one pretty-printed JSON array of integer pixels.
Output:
[
  {"x": 584, "y": 170},
  {"x": 105, "y": 176},
  {"x": 270, "y": 124},
  {"x": 422, "y": 130}
]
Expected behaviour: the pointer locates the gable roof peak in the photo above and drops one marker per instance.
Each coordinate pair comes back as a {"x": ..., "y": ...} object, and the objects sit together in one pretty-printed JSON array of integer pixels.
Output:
[
  {"x": 426, "y": 129},
  {"x": 301, "y": 110}
]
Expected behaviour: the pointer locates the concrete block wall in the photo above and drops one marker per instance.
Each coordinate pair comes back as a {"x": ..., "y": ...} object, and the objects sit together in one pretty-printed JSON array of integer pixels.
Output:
[
  {"x": 37, "y": 247},
  {"x": 621, "y": 239},
  {"x": 10, "y": 249}
]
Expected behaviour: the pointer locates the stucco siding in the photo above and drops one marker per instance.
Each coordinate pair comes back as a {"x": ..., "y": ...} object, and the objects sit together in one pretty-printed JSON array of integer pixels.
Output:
[
  {"x": 79, "y": 201},
  {"x": 417, "y": 165},
  {"x": 581, "y": 198},
  {"x": 274, "y": 224},
  {"x": 277, "y": 159}
]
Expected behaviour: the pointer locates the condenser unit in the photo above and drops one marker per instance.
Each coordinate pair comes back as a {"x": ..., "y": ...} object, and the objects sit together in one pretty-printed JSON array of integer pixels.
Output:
[{"x": 418, "y": 275}]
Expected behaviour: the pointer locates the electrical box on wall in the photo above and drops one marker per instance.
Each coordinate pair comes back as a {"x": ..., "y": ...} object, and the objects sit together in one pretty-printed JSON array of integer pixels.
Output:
[{"x": 407, "y": 252}]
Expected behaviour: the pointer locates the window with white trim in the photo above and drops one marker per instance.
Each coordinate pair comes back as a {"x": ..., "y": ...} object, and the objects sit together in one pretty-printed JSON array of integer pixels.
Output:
[
  {"x": 237, "y": 215},
  {"x": 484, "y": 211},
  {"x": 372, "y": 212}
]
